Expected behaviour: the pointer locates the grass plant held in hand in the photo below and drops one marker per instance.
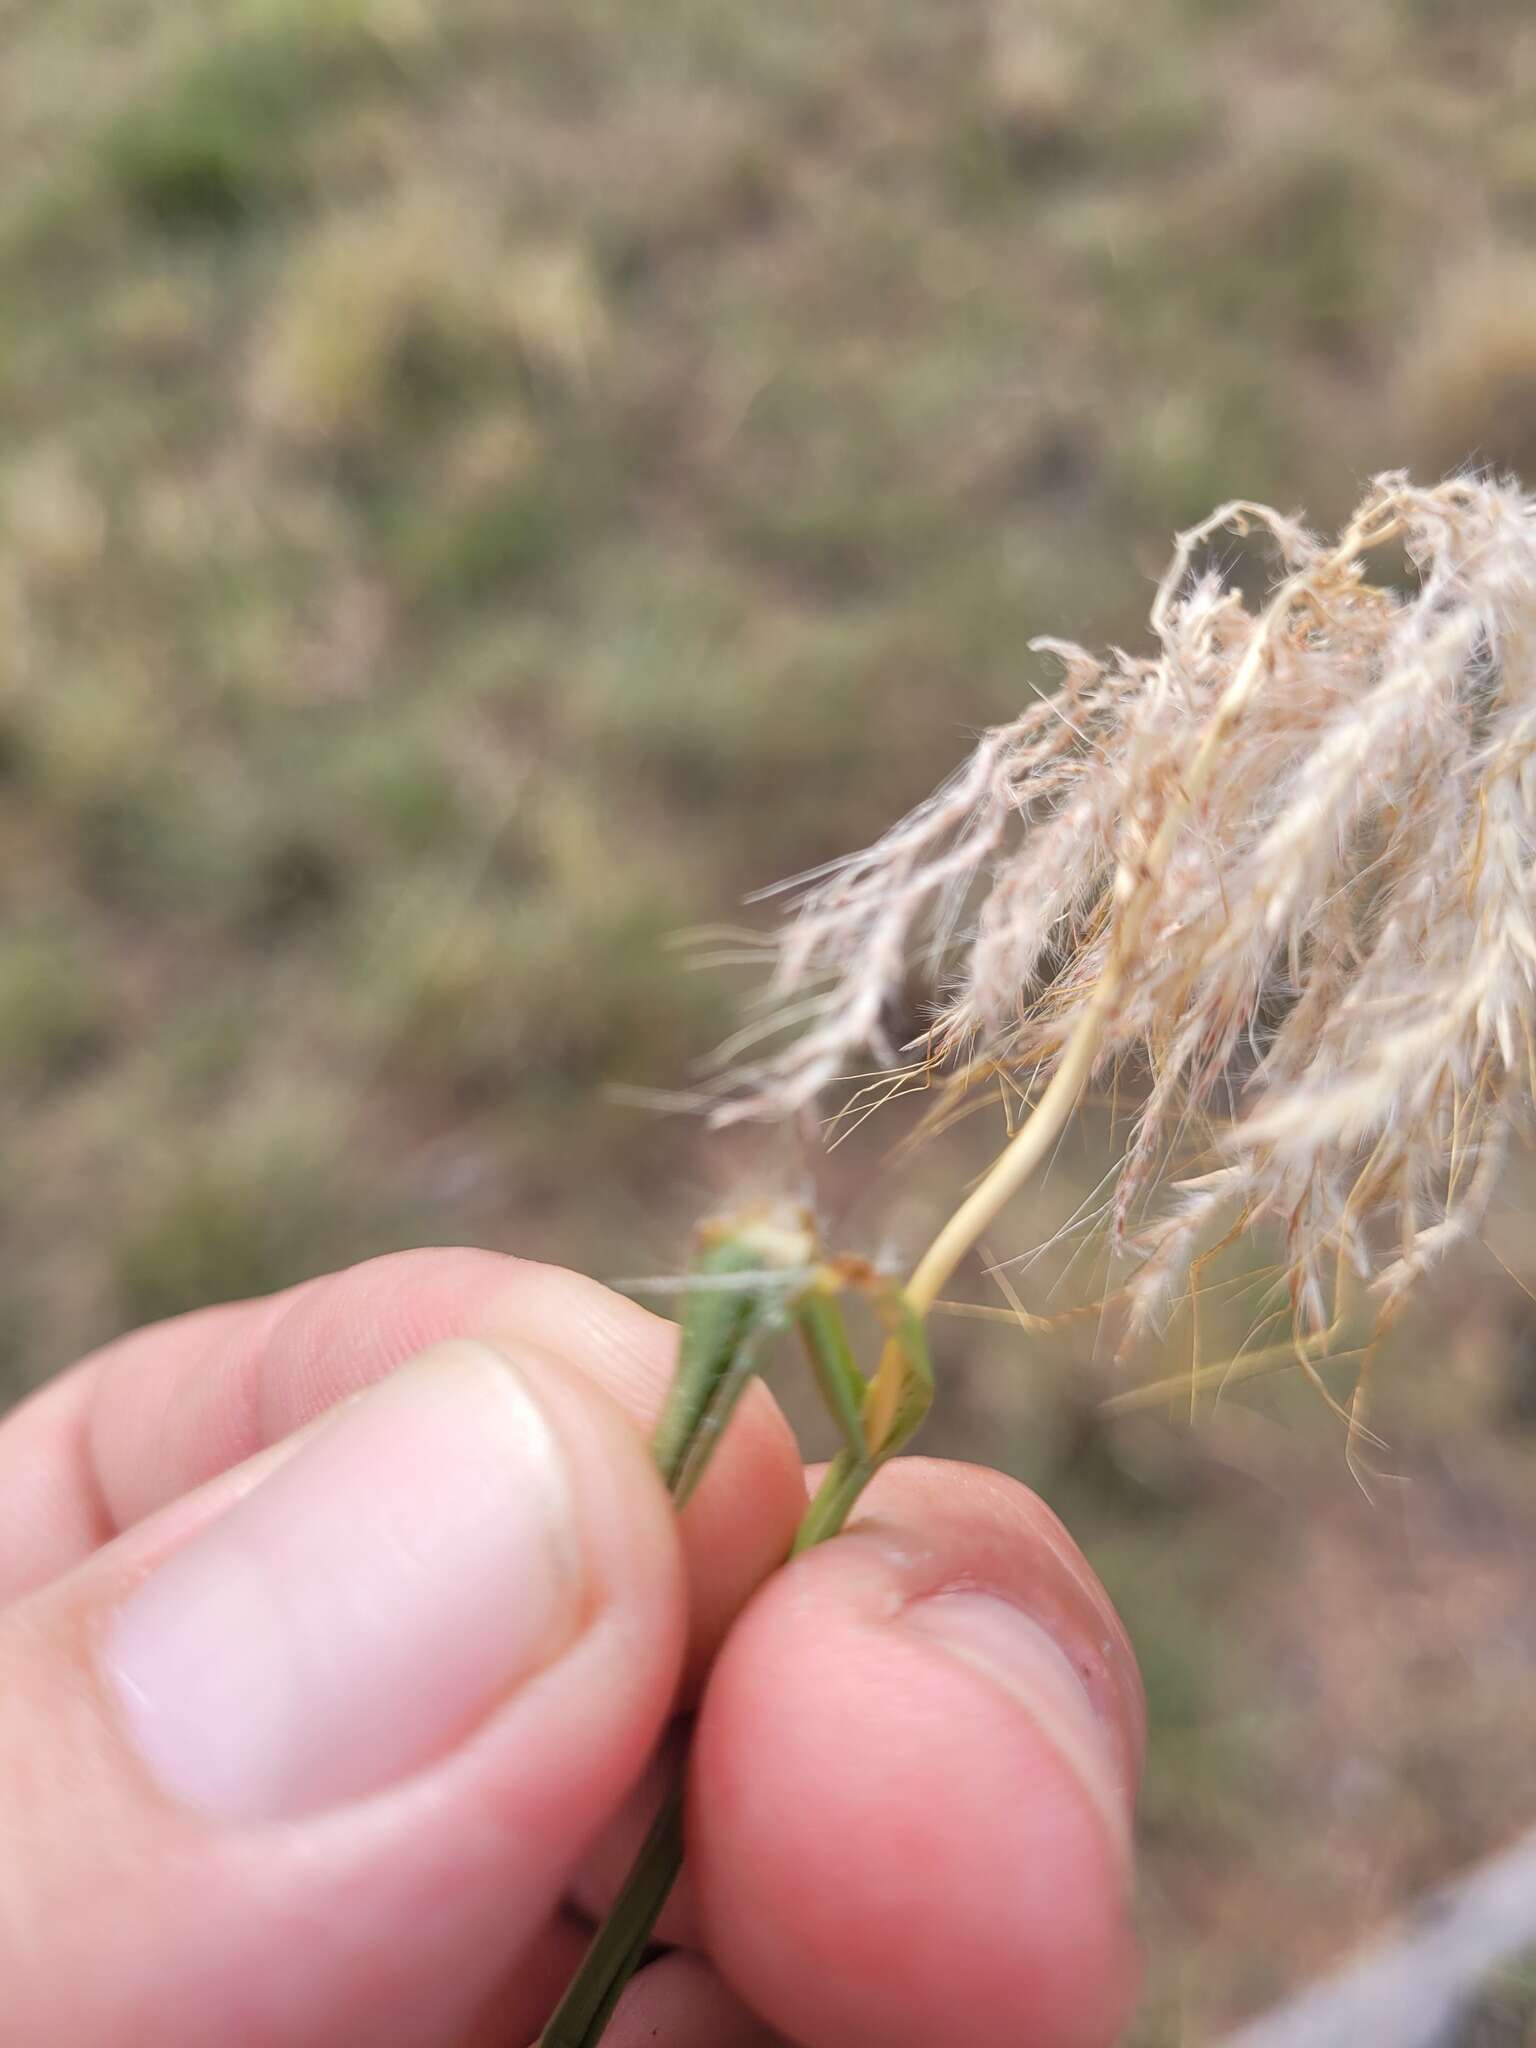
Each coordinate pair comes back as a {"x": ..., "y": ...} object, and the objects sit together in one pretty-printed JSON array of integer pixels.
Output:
[{"x": 1275, "y": 882}]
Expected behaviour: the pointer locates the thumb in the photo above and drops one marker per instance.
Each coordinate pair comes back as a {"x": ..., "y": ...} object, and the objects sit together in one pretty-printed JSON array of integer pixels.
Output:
[{"x": 308, "y": 1757}]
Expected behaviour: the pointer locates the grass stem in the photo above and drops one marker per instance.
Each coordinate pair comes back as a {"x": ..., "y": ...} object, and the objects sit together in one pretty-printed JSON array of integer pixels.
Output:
[{"x": 719, "y": 1351}]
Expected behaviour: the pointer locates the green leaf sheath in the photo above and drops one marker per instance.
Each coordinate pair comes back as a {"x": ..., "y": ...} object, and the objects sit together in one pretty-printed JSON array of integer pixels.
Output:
[
  {"x": 825, "y": 1337},
  {"x": 728, "y": 1390},
  {"x": 821, "y": 1327},
  {"x": 717, "y": 1320},
  {"x": 906, "y": 1331}
]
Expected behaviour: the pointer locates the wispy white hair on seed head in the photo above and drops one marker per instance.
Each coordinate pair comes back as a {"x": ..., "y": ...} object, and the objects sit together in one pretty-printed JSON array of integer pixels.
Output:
[{"x": 1342, "y": 937}]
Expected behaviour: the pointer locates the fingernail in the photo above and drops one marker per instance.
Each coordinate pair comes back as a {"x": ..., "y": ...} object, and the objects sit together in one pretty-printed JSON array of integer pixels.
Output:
[
  {"x": 365, "y": 1607},
  {"x": 1019, "y": 1655}
]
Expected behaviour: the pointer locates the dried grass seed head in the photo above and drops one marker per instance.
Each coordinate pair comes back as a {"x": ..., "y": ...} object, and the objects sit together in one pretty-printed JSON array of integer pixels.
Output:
[{"x": 1288, "y": 857}]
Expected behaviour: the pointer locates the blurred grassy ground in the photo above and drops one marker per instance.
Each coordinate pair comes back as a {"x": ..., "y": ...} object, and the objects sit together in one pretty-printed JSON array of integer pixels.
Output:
[{"x": 483, "y": 485}]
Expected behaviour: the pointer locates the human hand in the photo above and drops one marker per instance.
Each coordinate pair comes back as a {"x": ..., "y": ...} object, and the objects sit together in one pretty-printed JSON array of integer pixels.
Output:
[{"x": 328, "y": 1670}]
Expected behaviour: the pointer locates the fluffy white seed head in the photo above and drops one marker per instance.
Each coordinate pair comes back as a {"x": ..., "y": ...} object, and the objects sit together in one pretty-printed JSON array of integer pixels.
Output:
[{"x": 1334, "y": 940}]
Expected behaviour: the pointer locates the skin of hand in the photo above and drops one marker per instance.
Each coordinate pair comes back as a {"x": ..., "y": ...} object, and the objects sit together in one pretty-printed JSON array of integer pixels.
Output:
[{"x": 338, "y": 1631}]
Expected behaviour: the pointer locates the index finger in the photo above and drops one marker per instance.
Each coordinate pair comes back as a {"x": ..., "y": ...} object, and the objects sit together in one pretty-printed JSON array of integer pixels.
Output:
[{"x": 912, "y": 1777}]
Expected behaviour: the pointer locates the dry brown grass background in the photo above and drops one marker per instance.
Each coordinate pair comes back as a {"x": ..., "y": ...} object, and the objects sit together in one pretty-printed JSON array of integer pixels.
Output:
[{"x": 481, "y": 486}]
